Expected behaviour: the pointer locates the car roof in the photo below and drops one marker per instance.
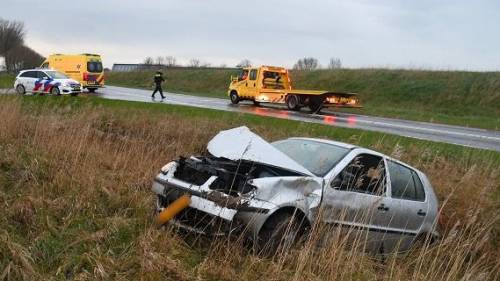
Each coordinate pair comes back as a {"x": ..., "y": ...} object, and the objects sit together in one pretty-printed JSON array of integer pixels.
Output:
[{"x": 35, "y": 69}]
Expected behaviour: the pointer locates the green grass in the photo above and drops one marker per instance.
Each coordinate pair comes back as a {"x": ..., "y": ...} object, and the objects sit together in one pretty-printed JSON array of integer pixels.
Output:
[
  {"x": 450, "y": 97},
  {"x": 359, "y": 137},
  {"x": 6, "y": 81},
  {"x": 75, "y": 178}
]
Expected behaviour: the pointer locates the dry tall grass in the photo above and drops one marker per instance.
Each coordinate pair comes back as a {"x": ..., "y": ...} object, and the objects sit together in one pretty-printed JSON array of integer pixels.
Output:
[{"x": 76, "y": 201}]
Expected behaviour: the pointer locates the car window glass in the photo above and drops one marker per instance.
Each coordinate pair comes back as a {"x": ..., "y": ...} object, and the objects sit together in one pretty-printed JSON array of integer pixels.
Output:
[
  {"x": 29, "y": 74},
  {"x": 94, "y": 66},
  {"x": 253, "y": 74},
  {"x": 403, "y": 182},
  {"x": 41, "y": 75},
  {"x": 364, "y": 174},
  {"x": 419, "y": 187},
  {"x": 243, "y": 75},
  {"x": 317, "y": 157},
  {"x": 56, "y": 75}
]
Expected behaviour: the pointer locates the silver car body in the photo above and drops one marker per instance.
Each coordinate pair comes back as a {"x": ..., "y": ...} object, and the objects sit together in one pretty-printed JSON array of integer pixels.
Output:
[{"x": 390, "y": 223}]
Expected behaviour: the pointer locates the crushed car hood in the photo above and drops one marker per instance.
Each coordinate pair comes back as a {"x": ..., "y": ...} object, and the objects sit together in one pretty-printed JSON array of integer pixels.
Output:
[{"x": 242, "y": 144}]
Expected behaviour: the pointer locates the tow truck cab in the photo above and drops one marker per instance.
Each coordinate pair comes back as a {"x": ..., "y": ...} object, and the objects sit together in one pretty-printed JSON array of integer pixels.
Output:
[{"x": 270, "y": 84}]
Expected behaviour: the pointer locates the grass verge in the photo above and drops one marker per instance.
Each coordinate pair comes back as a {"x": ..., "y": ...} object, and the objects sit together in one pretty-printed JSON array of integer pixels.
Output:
[
  {"x": 75, "y": 176},
  {"x": 6, "y": 81}
]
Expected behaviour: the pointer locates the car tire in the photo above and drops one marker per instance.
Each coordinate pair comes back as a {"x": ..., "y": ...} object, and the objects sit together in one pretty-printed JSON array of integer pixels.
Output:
[
  {"x": 74, "y": 94},
  {"x": 92, "y": 90},
  {"x": 20, "y": 89},
  {"x": 280, "y": 233},
  {"x": 55, "y": 91},
  {"x": 235, "y": 99},
  {"x": 315, "y": 104},
  {"x": 292, "y": 102}
]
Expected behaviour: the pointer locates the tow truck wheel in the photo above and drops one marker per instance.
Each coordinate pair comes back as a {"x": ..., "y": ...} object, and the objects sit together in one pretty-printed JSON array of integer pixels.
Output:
[
  {"x": 20, "y": 89},
  {"x": 235, "y": 99},
  {"x": 55, "y": 91},
  {"x": 315, "y": 104},
  {"x": 292, "y": 102}
]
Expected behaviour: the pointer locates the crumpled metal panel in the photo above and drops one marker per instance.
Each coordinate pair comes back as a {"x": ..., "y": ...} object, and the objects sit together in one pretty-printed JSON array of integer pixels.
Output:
[{"x": 242, "y": 144}]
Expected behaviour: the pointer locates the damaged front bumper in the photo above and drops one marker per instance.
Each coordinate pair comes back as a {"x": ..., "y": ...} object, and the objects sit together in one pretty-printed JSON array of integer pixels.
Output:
[{"x": 209, "y": 211}]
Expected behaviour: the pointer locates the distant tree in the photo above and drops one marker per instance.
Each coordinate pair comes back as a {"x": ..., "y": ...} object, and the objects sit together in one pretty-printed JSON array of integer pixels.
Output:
[
  {"x": 160, "y": 60},
  {"x": 148, "y": 61},
  {"x": 244, "y": 63},
  {"x": 334, "y": 63},
  {"x": 205, "y": 64},
  {"x": 306, "y": 64},
  {"x": 22, "y": 57},
  {"x": 194, "y": 63},
  {"x": 223, "y": 65},
  {"x": 11, "y": 36},
  {"x": 170, "y": 61}
]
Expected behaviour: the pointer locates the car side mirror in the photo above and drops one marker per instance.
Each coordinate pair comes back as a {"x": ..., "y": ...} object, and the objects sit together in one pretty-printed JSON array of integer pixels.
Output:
[{"x": 45, "y": 78}]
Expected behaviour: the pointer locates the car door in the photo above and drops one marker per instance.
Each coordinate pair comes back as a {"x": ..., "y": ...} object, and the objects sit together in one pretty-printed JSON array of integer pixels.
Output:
[
  {"x": 39, "y": 81},
  {"x": 356, "y": 201},
  {"x": 28, "y": 80},
  {"x": 408, "y": 199},
  {"x": 251, "y": 89}
]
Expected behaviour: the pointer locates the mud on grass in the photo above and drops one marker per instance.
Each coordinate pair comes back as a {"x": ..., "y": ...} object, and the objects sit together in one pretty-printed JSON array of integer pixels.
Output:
[{"x": 75, "y": 176}]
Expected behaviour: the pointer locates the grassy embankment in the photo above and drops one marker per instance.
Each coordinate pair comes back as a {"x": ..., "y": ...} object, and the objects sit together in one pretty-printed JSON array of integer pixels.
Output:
[
  {"x": 451, "y": 97},
  {"x": 75, "y": 176},
  {"x": 6, "y": 81}
]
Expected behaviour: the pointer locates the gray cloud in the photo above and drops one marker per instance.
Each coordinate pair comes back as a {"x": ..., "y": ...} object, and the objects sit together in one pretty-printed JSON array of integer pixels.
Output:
[{"x": 427, "y": 34}]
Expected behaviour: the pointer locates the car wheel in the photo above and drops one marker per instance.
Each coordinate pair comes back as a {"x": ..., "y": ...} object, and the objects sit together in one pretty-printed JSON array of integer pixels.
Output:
[
  {"x": 280, "y": 233},
  {"x": 20, "y": 89},
  {"x": 235, "y": 99},
  {"x": 55, "y": 91},
  {"x": 74, "y": 94},
  {"x": 292, "y": 102},
  {"x": 315, "y": 104},
  {"x": 92, "y": 90}
]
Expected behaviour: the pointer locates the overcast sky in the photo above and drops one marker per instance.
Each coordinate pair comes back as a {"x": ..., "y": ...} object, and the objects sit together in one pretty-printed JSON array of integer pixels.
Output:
[{"x": 455, "y": 34}]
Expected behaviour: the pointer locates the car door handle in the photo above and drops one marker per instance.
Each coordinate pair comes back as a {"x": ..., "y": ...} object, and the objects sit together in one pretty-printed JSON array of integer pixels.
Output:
[
  {"x": 421, "y": 213},
  {"x": 383, "y": 207}
]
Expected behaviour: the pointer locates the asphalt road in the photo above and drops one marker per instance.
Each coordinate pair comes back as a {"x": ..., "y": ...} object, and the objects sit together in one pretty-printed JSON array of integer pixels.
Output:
[{"x": 478, "y": 138}]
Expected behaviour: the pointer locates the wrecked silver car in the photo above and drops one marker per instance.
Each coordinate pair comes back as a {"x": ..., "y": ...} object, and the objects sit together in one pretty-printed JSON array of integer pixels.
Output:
[{"x": 247, "y": 185}]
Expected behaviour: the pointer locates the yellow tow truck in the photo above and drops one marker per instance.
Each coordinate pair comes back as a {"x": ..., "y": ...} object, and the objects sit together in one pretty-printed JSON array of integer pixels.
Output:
[{"x": 271, "y": 84}]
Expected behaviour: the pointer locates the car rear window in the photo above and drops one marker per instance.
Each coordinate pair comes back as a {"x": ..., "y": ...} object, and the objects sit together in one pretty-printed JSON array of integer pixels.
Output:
[
  {"x": 405, "y": 183},
  {"x": 94, "y": 66}
]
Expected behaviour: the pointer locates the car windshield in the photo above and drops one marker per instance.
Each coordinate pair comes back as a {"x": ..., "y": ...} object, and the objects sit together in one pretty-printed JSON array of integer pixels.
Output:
[
  {"x": 317, "y": 157},
  {"x": 56, "y": 75}
]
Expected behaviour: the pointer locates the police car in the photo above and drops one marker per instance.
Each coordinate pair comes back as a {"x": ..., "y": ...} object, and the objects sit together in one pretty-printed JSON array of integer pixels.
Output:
[{"x": 38, "y": 81}]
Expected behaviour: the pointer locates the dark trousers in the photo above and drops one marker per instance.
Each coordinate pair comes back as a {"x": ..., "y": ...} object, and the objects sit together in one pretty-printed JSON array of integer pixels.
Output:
[{"x": 158, "y": 89}]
